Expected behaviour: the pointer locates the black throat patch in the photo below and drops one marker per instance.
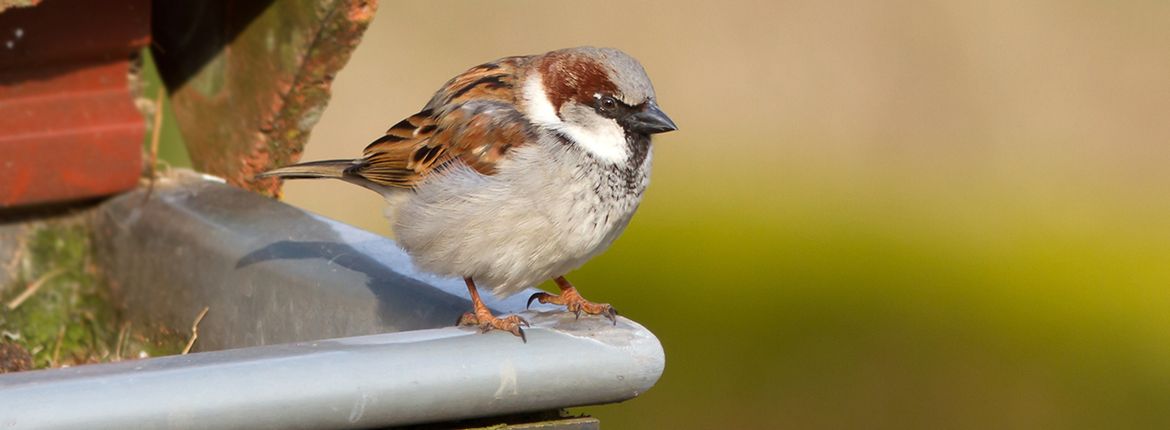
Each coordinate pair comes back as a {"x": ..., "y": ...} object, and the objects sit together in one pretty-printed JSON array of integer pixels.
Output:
[{"x": 628, "y": 178}]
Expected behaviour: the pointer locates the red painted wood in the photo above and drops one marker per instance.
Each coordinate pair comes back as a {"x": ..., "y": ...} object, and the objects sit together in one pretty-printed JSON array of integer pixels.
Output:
[
  {"x": 73, "y": 31},
  {"x": 68, "y": 125},
  {"x": 72, "y": 136}
]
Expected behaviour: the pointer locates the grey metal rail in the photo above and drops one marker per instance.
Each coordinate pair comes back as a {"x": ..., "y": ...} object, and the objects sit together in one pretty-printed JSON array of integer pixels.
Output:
[{"x": 275, "y": 279}]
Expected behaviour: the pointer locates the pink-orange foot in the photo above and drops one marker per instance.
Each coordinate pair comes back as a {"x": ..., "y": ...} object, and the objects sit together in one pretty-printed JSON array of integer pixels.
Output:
[
  {"x": 573, "y": 301},
  {"x": 484, "y": 319}
]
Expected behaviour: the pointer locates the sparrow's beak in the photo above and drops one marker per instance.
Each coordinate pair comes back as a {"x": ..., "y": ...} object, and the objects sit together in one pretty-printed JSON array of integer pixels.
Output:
[{"x": 650, "y": 120}]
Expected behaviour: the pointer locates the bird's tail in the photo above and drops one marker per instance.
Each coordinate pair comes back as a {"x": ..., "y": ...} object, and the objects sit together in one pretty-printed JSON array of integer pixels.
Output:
[
  {"x": 312, "y": 170},
  {"x": 346, "y": 170}
]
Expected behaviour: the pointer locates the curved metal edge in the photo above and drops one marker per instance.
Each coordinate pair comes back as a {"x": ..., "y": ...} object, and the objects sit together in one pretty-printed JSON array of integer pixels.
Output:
[{"x": 378, "y": 380}]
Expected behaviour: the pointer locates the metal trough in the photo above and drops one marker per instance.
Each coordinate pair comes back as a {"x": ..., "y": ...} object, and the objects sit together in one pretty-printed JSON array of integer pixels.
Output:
[{"x": 311, "y": 324}]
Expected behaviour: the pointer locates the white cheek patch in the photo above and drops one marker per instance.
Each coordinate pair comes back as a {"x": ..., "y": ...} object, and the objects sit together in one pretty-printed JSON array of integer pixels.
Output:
[
  {"x": 539, "y": 108},
  {"x": 602, "y": 137}
]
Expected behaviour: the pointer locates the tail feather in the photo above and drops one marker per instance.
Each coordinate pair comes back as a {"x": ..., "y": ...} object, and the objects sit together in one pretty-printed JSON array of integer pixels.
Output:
[
  {"x": 346, "y": 170},
  {"x": 313, "y": 169}
]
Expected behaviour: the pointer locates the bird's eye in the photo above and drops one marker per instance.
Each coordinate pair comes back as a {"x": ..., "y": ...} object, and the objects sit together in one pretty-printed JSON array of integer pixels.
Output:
[{"x": 607, "y": 105}]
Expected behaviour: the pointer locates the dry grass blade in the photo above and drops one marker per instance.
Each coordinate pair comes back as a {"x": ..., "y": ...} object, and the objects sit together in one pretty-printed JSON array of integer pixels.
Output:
[
  {"x": 123, "y": 336},
  {"x": 155, "y": 134},
  {"x": 17, "y": 254},
  {"x": 195, "y": 330},
  {"x": 32, "y": 288},
  {"x": 57, "y": 348}
]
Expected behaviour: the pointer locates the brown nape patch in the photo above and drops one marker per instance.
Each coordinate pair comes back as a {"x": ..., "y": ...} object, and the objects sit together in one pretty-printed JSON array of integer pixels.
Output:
[{"x": 571, "y": 77}]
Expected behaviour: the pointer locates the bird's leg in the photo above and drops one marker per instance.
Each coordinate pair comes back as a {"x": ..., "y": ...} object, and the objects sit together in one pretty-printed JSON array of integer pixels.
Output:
[
  {"x": 573, "y": 301},
  {"x": 482, "y": 317}
]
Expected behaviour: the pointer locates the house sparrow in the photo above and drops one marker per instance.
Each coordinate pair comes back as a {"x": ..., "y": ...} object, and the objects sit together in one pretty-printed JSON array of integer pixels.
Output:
[{"x": 517, "y": 171}]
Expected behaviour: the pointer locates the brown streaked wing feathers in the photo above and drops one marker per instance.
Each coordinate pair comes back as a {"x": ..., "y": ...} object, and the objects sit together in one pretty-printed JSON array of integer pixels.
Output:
[{"x": 471, "y": 119}]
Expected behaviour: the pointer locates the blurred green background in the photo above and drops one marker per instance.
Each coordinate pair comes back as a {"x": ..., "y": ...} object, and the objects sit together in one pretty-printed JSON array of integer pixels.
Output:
[{"x": 875, "y": 215}]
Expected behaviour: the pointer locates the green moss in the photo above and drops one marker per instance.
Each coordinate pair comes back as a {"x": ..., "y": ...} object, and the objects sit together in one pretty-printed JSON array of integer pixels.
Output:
[
  {"x": 159, "y": 343},
  {"x": 71, "y": 319},
  {"x": 67, "y": 304}
]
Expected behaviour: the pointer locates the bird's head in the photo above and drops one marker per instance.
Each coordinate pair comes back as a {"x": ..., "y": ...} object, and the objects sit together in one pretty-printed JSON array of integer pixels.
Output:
[{"x": 599, "y": 98}]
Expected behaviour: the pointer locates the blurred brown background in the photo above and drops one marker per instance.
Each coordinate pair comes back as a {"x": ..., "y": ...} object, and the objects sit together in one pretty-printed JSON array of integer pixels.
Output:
[{"x": 875, "y": 214}]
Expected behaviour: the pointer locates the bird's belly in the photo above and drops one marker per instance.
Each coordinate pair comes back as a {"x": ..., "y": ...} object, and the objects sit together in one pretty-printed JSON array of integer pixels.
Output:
[{"x": 507, "y": 234}]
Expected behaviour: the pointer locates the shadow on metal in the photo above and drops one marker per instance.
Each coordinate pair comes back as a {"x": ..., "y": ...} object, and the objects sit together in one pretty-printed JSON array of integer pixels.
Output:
[{"x": 276, "y": 280}]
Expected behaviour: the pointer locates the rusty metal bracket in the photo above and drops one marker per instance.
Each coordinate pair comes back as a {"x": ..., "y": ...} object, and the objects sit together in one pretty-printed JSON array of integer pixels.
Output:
[{"x": 249, "y": 79}]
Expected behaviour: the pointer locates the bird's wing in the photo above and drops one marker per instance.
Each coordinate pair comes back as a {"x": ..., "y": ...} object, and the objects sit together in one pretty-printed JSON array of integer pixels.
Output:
[{"x": 472, "y": 119}]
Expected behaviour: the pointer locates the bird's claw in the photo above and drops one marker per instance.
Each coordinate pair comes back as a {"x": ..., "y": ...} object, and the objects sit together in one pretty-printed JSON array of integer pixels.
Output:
[
  {"x": 512, "y": 323},
  {"x": 576, "y": 304},
  {"x": 542, "y": 296}
]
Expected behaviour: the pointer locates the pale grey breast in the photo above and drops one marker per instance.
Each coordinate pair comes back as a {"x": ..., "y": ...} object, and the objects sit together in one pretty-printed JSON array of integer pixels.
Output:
[{"x": 549, "y": 209}]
